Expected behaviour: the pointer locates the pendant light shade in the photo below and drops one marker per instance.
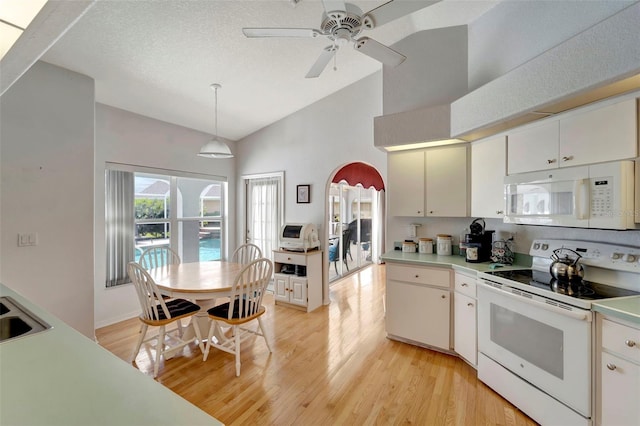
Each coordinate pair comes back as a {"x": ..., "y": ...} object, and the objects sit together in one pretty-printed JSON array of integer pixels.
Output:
[{"x": 215, "y": 148}]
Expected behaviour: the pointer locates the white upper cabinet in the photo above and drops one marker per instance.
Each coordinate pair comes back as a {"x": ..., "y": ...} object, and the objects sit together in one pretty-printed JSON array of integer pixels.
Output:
[
  {"x": 430, "y": 182},
  {"x": 534, "y": 148},
  {"x": 593, "y": 135},
  {"x": 488, "y": 169},
  {"x": 446, "y": 181},
  {"x": 599, "y": 135},
  {"x": 406, "y": 183}
]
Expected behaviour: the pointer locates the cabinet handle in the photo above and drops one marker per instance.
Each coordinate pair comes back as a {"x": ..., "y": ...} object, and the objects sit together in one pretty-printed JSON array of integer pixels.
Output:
[
  {"x": 551, "y": 161},
  {"x": 430, "y": 211},
  {"x": 417, "y": 276},
  {"x": 611, "y": 366},
  {"x": 465, "y": 285},
  {"x": 569, "y": 158},
  {"x": 443, "y": 296},
  {"x": 499, "y": 212},
  {"x": 419, "y": 212},
  {"x": 630, "y": 343},
  {"x": 470, "y": 304}
]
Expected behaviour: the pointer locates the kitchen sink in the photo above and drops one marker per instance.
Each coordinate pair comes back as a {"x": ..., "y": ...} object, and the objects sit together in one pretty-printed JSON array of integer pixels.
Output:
[{"x": 17, "y": 321}]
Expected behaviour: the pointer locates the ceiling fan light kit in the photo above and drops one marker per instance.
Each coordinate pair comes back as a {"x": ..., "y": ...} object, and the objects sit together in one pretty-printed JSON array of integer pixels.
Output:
[
  {"x": 341, "y": 24},
  {"x": 215, "y": 148}
]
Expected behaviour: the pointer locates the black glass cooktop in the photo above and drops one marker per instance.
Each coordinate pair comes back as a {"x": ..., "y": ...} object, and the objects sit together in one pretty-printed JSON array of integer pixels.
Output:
[{"x": 581, "y": 290}]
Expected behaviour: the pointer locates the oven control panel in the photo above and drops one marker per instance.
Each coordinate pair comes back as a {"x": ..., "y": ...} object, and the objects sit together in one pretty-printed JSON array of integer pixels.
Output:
[{"x": 603, "y": 255}]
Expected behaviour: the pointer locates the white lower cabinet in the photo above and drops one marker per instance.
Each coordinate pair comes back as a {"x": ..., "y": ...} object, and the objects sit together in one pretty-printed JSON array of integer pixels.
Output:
[
  {"x": 290, "y": 289},
  {"x": 465, "y": 324},
  {"x": 418, "y": 304},
  {"x": 618, "y": 375}
]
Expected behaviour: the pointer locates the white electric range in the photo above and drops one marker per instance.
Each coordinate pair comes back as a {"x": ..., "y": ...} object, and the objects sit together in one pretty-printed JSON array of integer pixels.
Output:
[{"x": 535, "y": 333}]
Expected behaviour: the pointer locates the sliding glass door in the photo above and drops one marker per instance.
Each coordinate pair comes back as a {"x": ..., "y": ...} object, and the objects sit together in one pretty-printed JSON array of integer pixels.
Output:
[{"x": 351, "y": 213}]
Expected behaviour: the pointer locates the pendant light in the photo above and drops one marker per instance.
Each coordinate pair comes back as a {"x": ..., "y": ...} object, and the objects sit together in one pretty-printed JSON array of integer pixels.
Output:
[{"x": 215, "y": 148}]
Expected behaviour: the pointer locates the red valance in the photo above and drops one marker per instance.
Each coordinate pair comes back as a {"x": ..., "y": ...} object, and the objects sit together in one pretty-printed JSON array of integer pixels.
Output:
[{"x": 360, "y": 173}]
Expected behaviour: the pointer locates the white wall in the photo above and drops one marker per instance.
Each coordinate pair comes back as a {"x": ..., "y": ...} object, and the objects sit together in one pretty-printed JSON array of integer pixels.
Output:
[
  {"x": 311, "y": 144},
  {"x": 47, "y": 155},
  {"x": 515, "y": 32},
  {"x": 434, "y": 73},
  {"x": 128, "y": 138}
]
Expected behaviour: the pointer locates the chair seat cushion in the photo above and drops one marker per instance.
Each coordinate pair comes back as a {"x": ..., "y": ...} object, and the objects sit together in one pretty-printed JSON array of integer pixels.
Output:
[
  {"x": 222, "y": 311},
  {"x": 177, "y": 308}
]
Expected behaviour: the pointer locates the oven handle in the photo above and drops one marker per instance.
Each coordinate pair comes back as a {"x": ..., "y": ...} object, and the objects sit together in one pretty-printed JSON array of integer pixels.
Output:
[{"x": 580, "y": 316}]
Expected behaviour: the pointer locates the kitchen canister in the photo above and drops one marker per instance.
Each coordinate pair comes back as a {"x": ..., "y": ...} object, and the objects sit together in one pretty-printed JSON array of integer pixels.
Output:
[
  {"x": 425, "y": 245},
  {"x": 408, "y": 247},
  {"x": 443, "y": 244}
]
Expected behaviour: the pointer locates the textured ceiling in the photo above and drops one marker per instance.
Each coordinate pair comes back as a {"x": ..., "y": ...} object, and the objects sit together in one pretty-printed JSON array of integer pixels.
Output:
[{"x": 158, "y": 58}]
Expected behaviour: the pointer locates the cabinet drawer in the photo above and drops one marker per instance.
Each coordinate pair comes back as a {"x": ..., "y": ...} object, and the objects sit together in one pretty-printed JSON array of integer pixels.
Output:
[
  {"x": 439, "y": 277},
  {"x": 621, "y": 339},
  {"x": 466, "y": 285},
  {"x": 289, "y": 258}
]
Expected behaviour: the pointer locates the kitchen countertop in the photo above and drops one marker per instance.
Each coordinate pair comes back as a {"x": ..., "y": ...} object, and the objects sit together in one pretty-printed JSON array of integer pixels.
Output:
[
  {"x": 627, "y": 308},
  {"x": 455, "y": 262},
  {"x": 60, "y": 377}
]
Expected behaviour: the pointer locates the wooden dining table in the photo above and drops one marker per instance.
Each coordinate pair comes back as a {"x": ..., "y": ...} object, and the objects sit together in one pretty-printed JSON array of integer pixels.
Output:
[
  {"x": 201, "y": 282},
  {"x": 197, "y": 280}
]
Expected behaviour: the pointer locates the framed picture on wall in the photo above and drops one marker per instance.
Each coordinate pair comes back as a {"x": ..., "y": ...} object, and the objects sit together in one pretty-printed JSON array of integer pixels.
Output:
[{"x": 303, "y": 194}]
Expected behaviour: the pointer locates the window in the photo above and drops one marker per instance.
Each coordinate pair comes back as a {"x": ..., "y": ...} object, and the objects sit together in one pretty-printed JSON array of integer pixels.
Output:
[{"x": 181, "y": 212}]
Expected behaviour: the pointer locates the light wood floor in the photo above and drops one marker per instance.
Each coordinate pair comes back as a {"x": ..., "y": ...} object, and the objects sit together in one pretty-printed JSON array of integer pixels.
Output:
[{"x": 333, "y": 366}]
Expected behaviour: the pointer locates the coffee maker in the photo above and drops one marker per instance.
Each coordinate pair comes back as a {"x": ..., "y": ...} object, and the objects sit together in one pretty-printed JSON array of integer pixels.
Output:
[{"x": 478, "y": 242}]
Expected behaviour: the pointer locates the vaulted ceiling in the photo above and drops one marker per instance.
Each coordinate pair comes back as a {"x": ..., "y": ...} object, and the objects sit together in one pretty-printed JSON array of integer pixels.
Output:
[{"x": 158, "y": 58}]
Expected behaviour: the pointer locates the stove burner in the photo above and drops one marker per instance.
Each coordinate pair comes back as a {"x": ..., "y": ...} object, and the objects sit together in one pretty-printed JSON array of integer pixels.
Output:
[{"x": 585, "y": 290}]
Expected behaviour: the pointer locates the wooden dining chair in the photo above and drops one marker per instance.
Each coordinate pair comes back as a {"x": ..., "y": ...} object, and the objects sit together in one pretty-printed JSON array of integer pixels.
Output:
[
  {"x": 246, "y": 253},
  {"x": 155, "y": 257},
  {"x": 158, "y": 312},
  {"x": 244, "y": 306}
]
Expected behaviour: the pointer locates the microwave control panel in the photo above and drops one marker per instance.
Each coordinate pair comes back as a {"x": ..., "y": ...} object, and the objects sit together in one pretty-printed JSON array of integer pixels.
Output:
[{"x": 601, "y": 196}]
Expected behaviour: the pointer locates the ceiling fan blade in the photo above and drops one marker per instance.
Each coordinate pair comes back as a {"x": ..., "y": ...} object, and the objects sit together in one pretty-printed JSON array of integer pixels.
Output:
[
  {"x": 334, "y": 6},
  {"x": 281, "y": 32},
  {"x": 322, "y": 61},
  {"x": 395, "y": 9},
  {"x": 379, "y": 52}
]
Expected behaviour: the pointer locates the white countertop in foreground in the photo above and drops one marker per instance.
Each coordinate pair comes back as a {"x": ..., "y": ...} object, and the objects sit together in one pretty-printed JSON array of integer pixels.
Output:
[{"x": 60, "y": 377}]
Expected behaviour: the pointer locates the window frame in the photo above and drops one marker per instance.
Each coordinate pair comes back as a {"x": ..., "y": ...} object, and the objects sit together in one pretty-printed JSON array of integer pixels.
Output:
[{"x": 174, "y": 222}]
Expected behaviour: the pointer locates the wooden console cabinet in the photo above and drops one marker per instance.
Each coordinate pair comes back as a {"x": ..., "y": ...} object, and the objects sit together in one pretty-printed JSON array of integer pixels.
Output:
[{"x": 302, "y": 292}]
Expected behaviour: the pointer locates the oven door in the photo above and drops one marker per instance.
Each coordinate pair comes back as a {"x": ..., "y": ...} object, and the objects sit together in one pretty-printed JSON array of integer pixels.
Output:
[{"x": 546, "y": 345}]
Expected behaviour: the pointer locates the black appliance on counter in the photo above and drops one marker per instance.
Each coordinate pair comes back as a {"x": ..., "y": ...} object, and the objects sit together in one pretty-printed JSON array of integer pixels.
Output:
[{"x": 478, "y": 242}]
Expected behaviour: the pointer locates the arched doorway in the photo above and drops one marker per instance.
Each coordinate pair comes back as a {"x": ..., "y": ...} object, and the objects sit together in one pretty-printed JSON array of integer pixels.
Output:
[{"x": 355, "y": 219}]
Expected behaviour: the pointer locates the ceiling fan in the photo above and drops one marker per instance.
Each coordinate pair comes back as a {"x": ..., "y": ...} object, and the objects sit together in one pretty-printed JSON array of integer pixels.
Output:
[{"x": 342, "y": 23}]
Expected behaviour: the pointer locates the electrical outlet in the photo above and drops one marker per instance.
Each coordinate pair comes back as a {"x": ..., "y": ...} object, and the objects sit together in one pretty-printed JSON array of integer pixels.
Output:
[{"x": 30, "y": 239}]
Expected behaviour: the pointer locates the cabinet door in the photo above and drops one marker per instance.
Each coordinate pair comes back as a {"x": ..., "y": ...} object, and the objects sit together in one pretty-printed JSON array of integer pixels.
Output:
[
  {"x": 446, "y": 181},
  {"x": 620, "y": 381},
  {"x": 599, "y": 135},
  {"x": 298, "y": 291},
  {"x": 281, "y": 287},
  {"x": 406, "y": 183},
  {"x": 418, "y": 313},
  {"x": 488, "y": 169},
  {"x": 464, "y": 327},
  {"x": 533, "y": 148}
]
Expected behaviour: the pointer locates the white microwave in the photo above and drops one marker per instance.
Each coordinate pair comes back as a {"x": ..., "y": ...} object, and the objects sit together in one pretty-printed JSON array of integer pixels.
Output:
[{"x": 596, "y": 196}]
